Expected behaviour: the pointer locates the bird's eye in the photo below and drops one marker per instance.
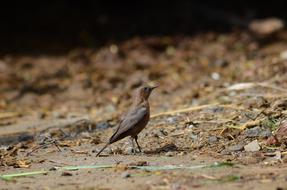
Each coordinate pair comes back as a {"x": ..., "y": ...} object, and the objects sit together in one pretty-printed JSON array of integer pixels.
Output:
[{"x": 146, "y": 89}]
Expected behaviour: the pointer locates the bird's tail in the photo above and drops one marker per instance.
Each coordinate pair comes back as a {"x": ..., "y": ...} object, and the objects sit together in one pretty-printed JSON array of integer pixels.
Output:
[{"x": 102, "y": 149}]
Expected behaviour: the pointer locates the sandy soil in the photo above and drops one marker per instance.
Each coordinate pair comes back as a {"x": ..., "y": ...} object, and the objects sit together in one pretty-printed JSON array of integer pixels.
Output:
[{"x": 218, "y": 93}]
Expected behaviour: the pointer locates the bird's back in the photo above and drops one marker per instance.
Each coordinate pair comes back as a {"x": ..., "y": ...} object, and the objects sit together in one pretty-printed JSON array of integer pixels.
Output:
[{"x": 132, "y": 123}]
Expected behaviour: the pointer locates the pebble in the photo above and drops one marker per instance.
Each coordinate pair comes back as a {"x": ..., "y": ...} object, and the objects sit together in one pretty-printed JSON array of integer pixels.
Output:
[
  {"x": 194, "y": 137},
  {"x": 130, "y": 150},
  {"x": 67, "y": 173},
  {"x": 191, "y": 126},
  {"x": 171, "y": 120},
  {"x": 215, "y": 76},
  {"x": 103, "y": 125},
  {"x": 169, "y": 154},
  {"x": 235, "y": 148},
  {"x": 221, "y": 63},
  {"x": 252, "y": 147},
  {"x": 257, "y": 132},
  {"x": 212, "y": 139},
  {"x": 125, "y": 175}
]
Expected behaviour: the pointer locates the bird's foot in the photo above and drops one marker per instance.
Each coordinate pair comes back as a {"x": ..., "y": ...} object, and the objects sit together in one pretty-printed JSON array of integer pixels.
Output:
[
  {"x": 131, "y": 151},
  {"x": 140, "y": 153}
]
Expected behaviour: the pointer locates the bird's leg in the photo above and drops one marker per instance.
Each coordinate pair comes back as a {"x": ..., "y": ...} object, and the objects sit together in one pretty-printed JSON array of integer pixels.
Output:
[
  {"x": 102, "y": 149},
  {"x": 133, "y": 145},
  {"x": 136, "y": 139}
]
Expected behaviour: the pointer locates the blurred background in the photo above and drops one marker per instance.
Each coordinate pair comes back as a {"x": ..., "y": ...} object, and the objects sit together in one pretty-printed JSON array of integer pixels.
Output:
[
  {"x": 69, "y": 68},
  {"x": 59, "y": 26}
]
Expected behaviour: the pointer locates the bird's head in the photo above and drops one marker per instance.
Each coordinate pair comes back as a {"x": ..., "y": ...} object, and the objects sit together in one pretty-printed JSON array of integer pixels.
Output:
[{"x": 144, "y": 91}]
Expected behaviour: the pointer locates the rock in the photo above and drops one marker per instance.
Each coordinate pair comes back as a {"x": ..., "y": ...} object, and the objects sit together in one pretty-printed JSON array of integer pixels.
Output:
[
  {"x": 139, "y": 163},
  {"x": 163, "y": 132},
  {"x": 235, "y": 148},
  {"x": 53, "y": 169},
  {"x": 252, "y": 147},
  {"x": 191, "y": 126},
  {"x": 215, "y": 76},
  {"x": 257, "y": 132},
  {"x": 125, "y": 175},
  {"x": 130, "y": 150},
  {"x": 278, "y": 155},
  {"x": 58, "y": 115},
  {"x": 171, "y": 120},
  {"x": 225, "y": 152},
  {"x": 225, "y": 99},
  {"x": 194, "y": 137},
  {"x": 65, "y": 173},
  {"x": 220, "y": 63},
  {"x": 266, "y": 133},
  {"x": 212, "y": 139},
  {"x": 169, "y": 154},
  {"x": 170, "y": 147}
]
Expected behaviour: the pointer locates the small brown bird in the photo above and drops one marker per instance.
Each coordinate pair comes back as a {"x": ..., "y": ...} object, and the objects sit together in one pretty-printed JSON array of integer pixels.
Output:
[{"x": 135, "y": 120}]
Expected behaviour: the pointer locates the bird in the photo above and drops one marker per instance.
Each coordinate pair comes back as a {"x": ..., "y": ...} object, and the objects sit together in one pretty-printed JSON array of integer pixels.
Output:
[{"x": 135, "y": 120}]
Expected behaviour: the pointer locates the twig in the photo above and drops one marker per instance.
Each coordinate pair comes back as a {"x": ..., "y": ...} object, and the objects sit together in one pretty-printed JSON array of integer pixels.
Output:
[
  {"x": 8, "y": 115},
  {"x": 272, "y": 87},
  {"x": 242, "y": 127},
  {"x": 195, "y": 108},
  {"x": 52, "y": 141},
  {"x": 250, "y": 124}
]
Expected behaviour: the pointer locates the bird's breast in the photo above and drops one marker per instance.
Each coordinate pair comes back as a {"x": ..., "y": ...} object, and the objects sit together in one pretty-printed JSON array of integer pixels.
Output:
[{"x": 141, "y": 125}]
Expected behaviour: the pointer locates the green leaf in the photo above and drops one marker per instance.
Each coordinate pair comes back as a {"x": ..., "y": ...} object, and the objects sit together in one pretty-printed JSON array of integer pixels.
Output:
[{"x": 25, "y": 174}]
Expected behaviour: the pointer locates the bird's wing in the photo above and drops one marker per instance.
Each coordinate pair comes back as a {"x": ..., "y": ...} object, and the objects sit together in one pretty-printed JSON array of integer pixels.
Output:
[{"x": 129, "y": 121}]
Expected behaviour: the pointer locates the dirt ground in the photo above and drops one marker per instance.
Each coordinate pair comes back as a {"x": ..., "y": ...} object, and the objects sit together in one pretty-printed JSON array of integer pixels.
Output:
[{"x": 218, "y": 118}]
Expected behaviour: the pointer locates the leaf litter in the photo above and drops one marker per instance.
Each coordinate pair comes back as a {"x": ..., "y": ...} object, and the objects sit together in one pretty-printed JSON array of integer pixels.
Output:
[{"x": 211, "y": 85}]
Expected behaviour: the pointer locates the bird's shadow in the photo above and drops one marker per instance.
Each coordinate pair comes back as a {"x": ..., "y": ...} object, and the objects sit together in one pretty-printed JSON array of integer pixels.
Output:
[{"x": 166, "y": 148}]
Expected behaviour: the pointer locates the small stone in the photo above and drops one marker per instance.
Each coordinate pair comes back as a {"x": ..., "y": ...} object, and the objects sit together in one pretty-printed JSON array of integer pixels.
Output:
[
  {"x": 252, "y": 147},
  {"x": 58, "y": 115},
  {"x": 163, "y": 132},
  {"x": 212, "y": 139},
  {"x": 65, "y": 173},
  {"x": 171, "y": 120},
  {"x": 266, "y": 133},
  {"x": 225, "y": 99},
  {"x": 130, "y": 150},
  {"x": 191, "y": 126},
  {"x": 169, "y": 154},
  {"x": 114, "y": 49},
  {"x": 194, "y": 137},
  {"x": 257, "y": 132},
  {"x": 235, "y": 148},
  {"x": 253, "y": 132},
  {"x": 221, "y": 63},
  {"x": 225, "y": 152},
  {"x": 215, "y": 76},
  {"x": 125, "y": 175},
  {"x": 53, "y": 169},
  {"x": 103, "y": 125}
]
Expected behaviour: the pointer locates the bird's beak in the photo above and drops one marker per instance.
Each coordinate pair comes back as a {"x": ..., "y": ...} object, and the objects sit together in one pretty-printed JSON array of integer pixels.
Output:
[{"x": 153, "y": 87}]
